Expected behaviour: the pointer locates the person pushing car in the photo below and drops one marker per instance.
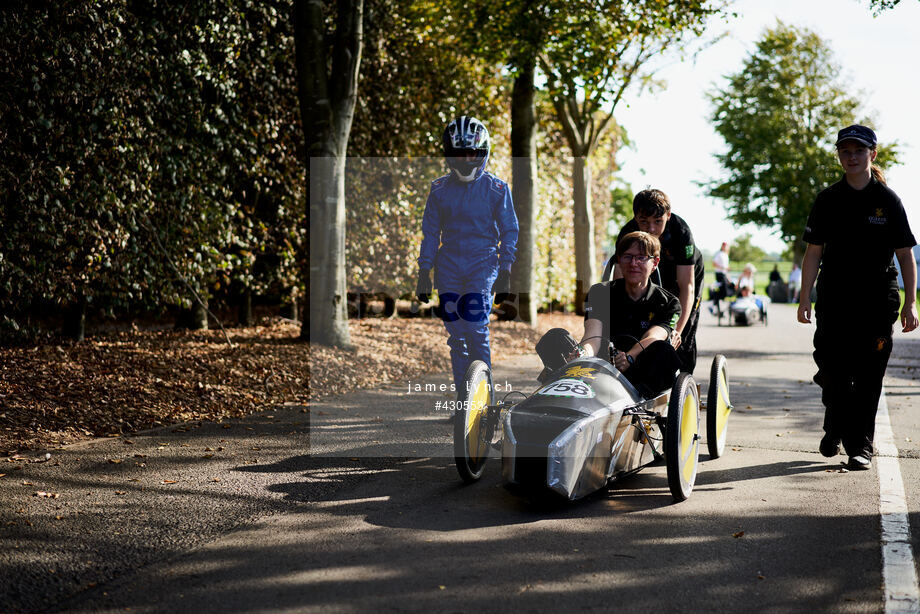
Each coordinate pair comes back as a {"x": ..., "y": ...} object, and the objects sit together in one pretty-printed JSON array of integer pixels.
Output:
[{"x": 470, "y": 233}]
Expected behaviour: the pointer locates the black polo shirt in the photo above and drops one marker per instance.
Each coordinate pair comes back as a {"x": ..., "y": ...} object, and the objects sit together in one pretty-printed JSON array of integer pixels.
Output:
[
  {"x": 677, "y": 249},
  {"x": 859, "y": 229},
  {"x": 608, "y": 302}
]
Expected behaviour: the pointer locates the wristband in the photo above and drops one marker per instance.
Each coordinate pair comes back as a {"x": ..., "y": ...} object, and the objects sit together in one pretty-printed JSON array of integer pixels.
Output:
[{"x": 630, "y": 360}]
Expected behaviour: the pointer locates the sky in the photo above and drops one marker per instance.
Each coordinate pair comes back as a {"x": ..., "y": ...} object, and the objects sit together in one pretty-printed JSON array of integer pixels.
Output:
[{"x": 674, "y": 142}]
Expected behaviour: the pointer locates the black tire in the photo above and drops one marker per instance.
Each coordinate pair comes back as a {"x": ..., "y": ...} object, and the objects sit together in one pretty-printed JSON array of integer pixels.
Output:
[
  {"x": 682, "y": 437},
  {"x": 718, "y": 407},
  {"x": 471, "y": 431}
]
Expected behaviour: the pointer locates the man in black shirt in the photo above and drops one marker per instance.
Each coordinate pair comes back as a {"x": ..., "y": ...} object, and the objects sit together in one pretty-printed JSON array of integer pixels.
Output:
[
  {"x": 681, "y": 267},
  {"x": 636, "y": 316}
]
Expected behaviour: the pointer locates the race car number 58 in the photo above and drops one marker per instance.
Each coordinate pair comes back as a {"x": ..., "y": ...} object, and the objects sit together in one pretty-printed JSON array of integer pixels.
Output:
[{"x": 568, "y": 388}]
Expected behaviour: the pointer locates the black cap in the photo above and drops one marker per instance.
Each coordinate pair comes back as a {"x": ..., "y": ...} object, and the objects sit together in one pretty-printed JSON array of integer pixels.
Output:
[{"x": 857, "y": 133}]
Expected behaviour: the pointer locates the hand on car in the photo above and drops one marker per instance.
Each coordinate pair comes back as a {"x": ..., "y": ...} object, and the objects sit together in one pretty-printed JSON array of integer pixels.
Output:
[{"x": 620, "y": 361}]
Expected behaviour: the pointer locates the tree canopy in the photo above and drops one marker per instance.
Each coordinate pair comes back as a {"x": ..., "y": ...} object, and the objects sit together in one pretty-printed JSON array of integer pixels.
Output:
[{"x": 779, "y": 116}]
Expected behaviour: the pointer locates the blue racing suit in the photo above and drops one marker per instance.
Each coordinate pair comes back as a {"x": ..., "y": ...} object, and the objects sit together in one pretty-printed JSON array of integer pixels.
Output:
[{"x": 469, "y": 232}]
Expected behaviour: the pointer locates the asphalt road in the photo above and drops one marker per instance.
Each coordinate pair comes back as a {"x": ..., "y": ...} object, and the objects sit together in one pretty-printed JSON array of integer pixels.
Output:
[{"x": 356, "y": 506}]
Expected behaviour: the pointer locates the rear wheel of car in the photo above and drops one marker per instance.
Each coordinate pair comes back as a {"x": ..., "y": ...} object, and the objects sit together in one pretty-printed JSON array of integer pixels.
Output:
[
  {"x": 718, "y": 407},
  {"x": 682, "y": 437},
  {"x": 472, "y": 432}
]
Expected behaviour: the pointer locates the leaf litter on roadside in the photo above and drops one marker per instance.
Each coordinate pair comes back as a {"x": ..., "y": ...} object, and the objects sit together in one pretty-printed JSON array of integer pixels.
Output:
[{"x": 126, "y": 381}]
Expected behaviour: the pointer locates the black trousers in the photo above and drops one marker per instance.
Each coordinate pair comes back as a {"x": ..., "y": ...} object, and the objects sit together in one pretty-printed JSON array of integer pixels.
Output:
[
  {"x": 687, "y": 350},
  {"x": 655, "y": 370},
  {"x": 851, "y": 365}
]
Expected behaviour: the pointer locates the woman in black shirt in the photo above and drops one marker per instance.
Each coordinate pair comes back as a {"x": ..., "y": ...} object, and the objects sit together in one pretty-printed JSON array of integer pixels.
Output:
[{"x": 855, "y": 227}]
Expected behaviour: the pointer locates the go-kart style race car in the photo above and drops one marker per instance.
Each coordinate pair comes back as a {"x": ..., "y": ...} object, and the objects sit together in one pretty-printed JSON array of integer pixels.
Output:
[
  {"x": 745, "y": 311},
  {"x": 586, "y": 427}
]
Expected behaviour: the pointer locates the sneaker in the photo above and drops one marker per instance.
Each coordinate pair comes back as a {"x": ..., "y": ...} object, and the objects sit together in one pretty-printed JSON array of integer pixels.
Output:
[
  {"x": 829, "y": 446},
  {"x": 859, "y": 462}
]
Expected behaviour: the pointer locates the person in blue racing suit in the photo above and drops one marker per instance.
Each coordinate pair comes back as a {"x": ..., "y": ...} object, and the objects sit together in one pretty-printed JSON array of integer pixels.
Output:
[{"x": 469, "y": 238}]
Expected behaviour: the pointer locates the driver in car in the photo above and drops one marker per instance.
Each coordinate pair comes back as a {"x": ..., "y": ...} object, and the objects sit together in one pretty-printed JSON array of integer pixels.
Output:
[{"x": 636, "y": 315}]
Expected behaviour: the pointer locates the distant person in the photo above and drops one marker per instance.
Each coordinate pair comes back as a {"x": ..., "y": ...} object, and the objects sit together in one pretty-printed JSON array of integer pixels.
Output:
[
  {"x": 720, "y": 263},
  {"x": 745, "y": 283},
  {"x": 795, "y": 282},
  {"x": 680, "y": 270},
  {"x": 469, "y": 238},
  {"x": 775, "y": 274},
  {"x": 777, "y": 289},
  {"x": 855, "y": 227}
]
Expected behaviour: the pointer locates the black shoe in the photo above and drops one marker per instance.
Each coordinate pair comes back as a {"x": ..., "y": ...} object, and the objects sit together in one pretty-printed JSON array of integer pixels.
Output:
[
  {"x": 829, "y": 446},
  {"x": 860, "y": 462}
]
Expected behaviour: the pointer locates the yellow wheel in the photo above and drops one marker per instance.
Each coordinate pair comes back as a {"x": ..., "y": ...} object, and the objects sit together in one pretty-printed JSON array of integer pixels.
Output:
[
  {"x": 472, "y": 432},
  {"x": 682, "y": 437},
  {"x": 718, "y": 407}
]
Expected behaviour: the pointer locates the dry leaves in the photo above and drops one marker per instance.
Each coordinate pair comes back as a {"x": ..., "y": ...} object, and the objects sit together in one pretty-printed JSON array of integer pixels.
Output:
[{"x": 125, "y": 381}]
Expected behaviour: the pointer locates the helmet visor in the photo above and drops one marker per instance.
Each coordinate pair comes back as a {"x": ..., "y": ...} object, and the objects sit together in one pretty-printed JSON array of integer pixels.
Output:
[{"x": 464, "y": 167}]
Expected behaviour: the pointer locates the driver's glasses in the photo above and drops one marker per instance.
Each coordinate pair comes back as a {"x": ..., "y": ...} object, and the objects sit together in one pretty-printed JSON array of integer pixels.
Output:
[{"x": 629, "y": 258}]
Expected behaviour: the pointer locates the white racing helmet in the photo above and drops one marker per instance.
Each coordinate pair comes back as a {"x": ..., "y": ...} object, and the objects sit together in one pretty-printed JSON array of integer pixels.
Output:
[{"x": 462, "y": 137}]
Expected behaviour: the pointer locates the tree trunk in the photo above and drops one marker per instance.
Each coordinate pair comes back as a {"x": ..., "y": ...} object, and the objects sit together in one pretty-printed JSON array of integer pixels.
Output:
[
  {"x": 585, "y": 252},
  {"x": 245, "y": 308},
  {"x": 327, "y": 92},
  {"x": 199, "y": 316},
  {"x": 289, "y": 307},
  {"x": 74, "y": 327},
  {"x": 328, "y": 316},
  {"x": 524, "y": 188}
]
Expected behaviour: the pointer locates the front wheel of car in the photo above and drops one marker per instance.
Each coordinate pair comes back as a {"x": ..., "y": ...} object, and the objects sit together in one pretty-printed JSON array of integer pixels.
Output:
[
  {"x": 682, "y": 437},
  {"x": 471, "y": 428}
]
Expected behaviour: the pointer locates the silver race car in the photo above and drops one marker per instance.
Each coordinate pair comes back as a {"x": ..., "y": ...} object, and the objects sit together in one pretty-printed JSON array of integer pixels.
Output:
[{"x": 587, "y": 426}]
